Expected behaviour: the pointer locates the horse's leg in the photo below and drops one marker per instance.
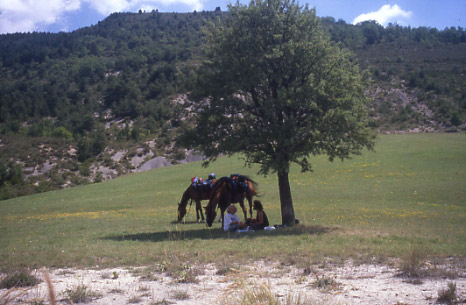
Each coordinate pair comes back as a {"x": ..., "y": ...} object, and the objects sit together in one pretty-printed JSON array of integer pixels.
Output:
[
  {"x": 224, "y": 206},
  {"x": 220, "y": 217},
  {"x": 199, "y": 208},
  {"x": 245, "y": 212},
  {"x": 250, "y": 204},
  {"x": 222, "y": 212},
  {"x": 218, "y": 197}
]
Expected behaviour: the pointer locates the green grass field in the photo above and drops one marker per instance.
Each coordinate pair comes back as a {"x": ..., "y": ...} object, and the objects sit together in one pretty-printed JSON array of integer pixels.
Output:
[{"x": 408, "y": 194}]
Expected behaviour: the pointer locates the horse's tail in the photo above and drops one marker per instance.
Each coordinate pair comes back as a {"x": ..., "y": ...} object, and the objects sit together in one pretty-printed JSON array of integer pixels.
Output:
[
  {"x": 252, "y": 181},
  {"x": 254, "y": 184}
]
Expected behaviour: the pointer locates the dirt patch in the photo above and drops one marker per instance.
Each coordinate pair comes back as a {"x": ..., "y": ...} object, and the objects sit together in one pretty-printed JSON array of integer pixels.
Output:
[{"x": 348, "y": 284}]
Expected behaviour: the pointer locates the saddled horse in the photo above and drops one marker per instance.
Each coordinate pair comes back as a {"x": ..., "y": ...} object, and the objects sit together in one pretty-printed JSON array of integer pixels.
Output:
[
  {"x": 225, "y": 192},
  {"x": 196, "y": 195}
]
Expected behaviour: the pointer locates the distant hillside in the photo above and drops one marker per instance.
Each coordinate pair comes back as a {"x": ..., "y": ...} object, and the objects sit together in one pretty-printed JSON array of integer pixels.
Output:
[{"x": 102, "y": 101}]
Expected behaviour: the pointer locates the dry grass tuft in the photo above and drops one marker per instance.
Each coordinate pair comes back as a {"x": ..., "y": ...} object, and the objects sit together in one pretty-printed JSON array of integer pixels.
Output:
[
  {"x": 23, "y": 278},
  {"x": 181, "y": 295},
  {"x": 412, "y": 263},
  {"x": 12, "y": 294},
  {"x": 258, "y": 295},
  {"x": 81, "y": 294},
  {"x": 146, "y": 274},
  {"x": 246, "y": 293},
  {"x": 135, "y": 300},
  {"x": 117, "y": 290},
  {"x": 181, "y": 272},
  {"x": 448, "y": 295},
  {"x": 19, "y": 278},
  {"x": 324, "y": 283},
  {"x": 163, "y": 302},
  {"x": 223, "y": 270}
]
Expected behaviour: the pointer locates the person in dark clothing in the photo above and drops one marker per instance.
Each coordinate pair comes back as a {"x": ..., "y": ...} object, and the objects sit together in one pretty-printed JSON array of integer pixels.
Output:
[{"x": 261, "y": 221}]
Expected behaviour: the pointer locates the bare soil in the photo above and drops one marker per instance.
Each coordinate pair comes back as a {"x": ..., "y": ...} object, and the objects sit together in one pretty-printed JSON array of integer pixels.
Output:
[{"x": 324, "y": 284}]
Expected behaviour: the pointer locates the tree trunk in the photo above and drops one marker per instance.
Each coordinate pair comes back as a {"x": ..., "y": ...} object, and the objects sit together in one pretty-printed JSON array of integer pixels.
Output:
[{"x": 285, "y": 199}]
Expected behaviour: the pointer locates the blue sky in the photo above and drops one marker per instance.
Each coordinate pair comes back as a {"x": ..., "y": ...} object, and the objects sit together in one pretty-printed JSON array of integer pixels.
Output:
[{"x": 69, "y": 15}]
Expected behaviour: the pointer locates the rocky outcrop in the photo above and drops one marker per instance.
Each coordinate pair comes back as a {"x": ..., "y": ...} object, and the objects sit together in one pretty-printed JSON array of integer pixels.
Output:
[{"x": 156, "y": 162}]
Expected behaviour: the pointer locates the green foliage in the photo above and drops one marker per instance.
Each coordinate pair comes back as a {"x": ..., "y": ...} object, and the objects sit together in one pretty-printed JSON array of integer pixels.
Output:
[
  {"x": 91, "y": 145},
  {"x": 11, "y": 173},
  {"x": 85, "y": 149},
  {"x": 42, "y": 128},
  {"x": 84, "y": 169},
  {"x": 21, "y": 278},
  {"x": 372, "y": 31},
  {"x": 43, "y": 186},
  {"x": 123, "y": 61},
  {"x": 455, "y": 119},
  {"x": 98, "y": 177},
  {"x": 129, "y": 60},
  {"x": 301, "y": 93},
  {"x": 63, "y": 133}
]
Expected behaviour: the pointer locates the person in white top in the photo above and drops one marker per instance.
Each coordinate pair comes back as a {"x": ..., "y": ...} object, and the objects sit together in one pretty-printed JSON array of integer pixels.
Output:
[{"x": 231, "y": 220}]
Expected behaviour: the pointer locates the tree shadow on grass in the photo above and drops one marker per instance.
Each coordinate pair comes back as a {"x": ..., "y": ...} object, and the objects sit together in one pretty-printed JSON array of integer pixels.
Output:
[
  {"x": 185, "y": 222},
  {"x": 217, "y": 233}
]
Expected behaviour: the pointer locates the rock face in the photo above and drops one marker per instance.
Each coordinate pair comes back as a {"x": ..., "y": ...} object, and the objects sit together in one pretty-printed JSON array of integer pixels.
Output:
[
  {"x": 156, "y": 162},
  {"x": 193, "y": 157}
]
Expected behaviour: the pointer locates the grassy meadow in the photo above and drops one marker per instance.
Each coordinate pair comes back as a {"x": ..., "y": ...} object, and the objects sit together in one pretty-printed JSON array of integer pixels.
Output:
[{"x": 408, "y": 194}]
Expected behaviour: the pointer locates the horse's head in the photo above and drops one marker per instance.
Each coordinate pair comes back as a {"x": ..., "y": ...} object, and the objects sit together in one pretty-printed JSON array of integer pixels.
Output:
[
  {"x": 181, "y": 211},
  {"x": 210, "y": 215}
]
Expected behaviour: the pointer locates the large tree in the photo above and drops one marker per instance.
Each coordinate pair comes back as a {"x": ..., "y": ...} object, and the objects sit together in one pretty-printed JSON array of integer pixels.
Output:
[{"x": 276, "y": 89}]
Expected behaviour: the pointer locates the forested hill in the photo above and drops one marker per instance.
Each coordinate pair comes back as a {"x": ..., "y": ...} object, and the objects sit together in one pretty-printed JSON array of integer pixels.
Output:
[
  {"x": 83, "y": 106},
  {"x": 128, "y": 63}
]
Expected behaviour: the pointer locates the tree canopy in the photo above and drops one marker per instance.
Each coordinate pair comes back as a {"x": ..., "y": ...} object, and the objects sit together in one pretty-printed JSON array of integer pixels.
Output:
[{"x": 275, "y": 87}]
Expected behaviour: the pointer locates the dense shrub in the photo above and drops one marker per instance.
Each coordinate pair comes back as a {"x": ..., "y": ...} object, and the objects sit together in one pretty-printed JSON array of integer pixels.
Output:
[
  {"x": 63, "y": 133},
  {"x": 21, "y": 278},
  {"x": 11, "y": 173}
]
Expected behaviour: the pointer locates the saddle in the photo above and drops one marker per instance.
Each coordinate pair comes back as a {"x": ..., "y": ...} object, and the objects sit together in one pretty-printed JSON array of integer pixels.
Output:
[
  {"x": 201, "y": 185},
  {"x": 241, "y": 184}
]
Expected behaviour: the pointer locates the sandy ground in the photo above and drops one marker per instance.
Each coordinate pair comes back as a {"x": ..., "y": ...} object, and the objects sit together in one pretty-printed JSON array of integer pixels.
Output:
[{"x": 348, "y": 284}]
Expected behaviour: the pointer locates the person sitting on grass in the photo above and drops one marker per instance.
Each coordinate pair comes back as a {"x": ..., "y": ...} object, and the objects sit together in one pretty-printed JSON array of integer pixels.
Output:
[
  {"x": 231, "y": 221},
  {"x": 261, "y": 220}
]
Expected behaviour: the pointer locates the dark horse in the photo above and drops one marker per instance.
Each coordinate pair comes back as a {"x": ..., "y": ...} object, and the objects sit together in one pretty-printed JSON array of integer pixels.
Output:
[
  {"x": 226, "y": 192},
  {"x": 197, "y": 195}
]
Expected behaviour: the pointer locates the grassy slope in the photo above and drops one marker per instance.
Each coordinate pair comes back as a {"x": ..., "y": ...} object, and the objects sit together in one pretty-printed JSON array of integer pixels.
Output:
[{"x": 410, "y": 193}]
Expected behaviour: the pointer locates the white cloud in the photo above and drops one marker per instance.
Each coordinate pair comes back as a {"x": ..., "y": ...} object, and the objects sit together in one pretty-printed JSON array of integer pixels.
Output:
[
  {"x": 29, "y": 15},
  {"x": 106, "y": 7},
  {"x": 385, "y": 15},
  {"x": 34, "y": 15}
]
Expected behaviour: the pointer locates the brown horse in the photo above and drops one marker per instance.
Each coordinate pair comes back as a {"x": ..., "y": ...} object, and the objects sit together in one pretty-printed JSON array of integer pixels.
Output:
[
  {"x": 226, "y": 192},
  {"x": 197, "y": 195}
]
